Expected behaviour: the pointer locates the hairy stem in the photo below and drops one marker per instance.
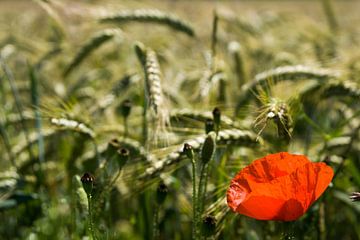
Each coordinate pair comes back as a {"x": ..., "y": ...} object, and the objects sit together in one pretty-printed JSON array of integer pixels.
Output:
[
  {"x": 202, "y": 187},
  {"x": 194, "y": 200},
  {"x": 156, "y": 232},
  {"x": 91, "y": 224}
]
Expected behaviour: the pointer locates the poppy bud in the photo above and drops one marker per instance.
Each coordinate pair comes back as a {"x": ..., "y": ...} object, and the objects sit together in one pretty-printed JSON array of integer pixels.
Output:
[
  {"x": 123, "y": 156},
  {"x": 355, "y": 196},
  {"x": 112, "y": 148},
  {"x": 161, "y": 193},
  {"x": 208, "y": 225},
  {"x": 209, "y": 126},
  {"x": 125, "y": 108},
  {"x": 209, "y": 147},
  {"x": 188, "y": 150},
  {"x": 88, "y": 182},
  {"x": 217, "y": 117}
]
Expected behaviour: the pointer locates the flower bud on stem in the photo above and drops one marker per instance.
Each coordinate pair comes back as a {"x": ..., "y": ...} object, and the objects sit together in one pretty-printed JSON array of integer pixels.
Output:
[
  {"x": 189, "y": 152},
  {"x": 217, "y": 119},
  {"x": 88, "y": 184},
  {"x": 207, "y": 154},
  {"x": 209, "y": 126},
  {"x": 125, "y": 110},
  {"x": 208, "y": 226},
  {"x": 161, "y": 193}
]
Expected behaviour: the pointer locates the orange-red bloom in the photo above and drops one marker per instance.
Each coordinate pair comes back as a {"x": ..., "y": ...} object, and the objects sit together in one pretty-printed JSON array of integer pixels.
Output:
[{"x": 279, "y": 186}]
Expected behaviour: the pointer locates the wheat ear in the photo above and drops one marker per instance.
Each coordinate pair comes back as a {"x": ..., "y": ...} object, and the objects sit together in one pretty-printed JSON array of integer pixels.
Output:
[{"x": 149, "y": 16}]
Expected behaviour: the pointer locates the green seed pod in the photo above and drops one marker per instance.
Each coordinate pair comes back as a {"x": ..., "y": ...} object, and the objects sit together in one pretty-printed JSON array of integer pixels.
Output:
[
  {"x": 208, "y": 226},
  {"x": 209, "y": 147},
  {"x": 161, "y": 193},
  {"x": 217, "y": 118},
  {"x": 125, "y": 108},
  {"x": 123, "y": 156},
  {"x": 188, "y": 150},
  {"x": 209, "y": 126},
  {"x": 88, "y": 183}
]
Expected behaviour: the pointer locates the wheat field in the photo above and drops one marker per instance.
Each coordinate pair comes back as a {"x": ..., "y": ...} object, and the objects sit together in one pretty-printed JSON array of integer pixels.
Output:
[{"x": 129, "y": 119}]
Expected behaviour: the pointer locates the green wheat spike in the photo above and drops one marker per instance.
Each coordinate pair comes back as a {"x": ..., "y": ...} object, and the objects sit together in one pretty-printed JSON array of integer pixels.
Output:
[
  {"x": 89, "y": 46},
  {"x": 150, "y": 16},
  {"x": 283, "y": 73},
  {"x": 229, "y": 136}
]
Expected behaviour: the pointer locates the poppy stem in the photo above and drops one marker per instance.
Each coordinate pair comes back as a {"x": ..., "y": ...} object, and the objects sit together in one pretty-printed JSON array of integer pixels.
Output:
[
  {"x": 202, "y": 187},
  {"x": 288, "y": 230},
  {"x": 91, "y": 225},
  {"x": 207, "y": 154},
  {"x": 156, "y": 222},
  {"x": 322, "y": 225},
  {"x": 194, "y": 200},
  {"x": 110, "y": 185},
  {"x": 126, "y": 128}
]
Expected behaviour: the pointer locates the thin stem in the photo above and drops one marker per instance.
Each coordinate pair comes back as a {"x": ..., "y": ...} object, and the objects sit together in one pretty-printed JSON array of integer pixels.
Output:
[
  {"x": 156, "y": 222},
  {"x": 202, "y": 187},
  {"x": 330, "y": 15},
  {"x": 125, "y": 127},
  {"x": 288, "y": 230},
  {"x": 91, "y": 225},
  {"x": 314, "y": 125},
  {"x": 144, "y": 215},
  {"x": 18, "y": 105},
  {"x": 109, "y": 186},
  {"x": 35, "y": 99},
  {"x": 7, "y": 144},
  {"x": 73, "y": 208},
  {"x": 322, "y": 224},
  {"x": 194, "y": 200},
  {"x": 145, "y": 126},
  {"x": 214, "y": 34},
  {"x": 114, "y": 180},
  {"x": 96, "y": 151}
]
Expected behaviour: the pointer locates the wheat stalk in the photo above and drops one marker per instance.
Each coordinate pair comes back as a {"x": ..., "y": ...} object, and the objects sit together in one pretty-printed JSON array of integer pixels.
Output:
[
  {"x": 149, "y": 16},
  {"x": 89, "y": 46},
  {"x": 153, "y": 89},
  {"x": 230, "y": 136},
  {"x": 294, "y": 73},
  {"x": 290, "y": 73},
  {"x": 73, "y": 125},
  {"x": 236, "y": 52},
  {"x": 136, "y": 150},
  {"x": 201, "y": 116},
  {"x": 341, "y": 88},
  {"x": 330, "y": 15}
]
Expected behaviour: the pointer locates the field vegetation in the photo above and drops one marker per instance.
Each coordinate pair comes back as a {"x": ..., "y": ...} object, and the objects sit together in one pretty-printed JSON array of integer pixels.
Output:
[{"x": 128, "y": 119}]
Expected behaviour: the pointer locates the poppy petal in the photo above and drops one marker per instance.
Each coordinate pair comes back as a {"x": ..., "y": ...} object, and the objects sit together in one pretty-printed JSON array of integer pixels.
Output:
[
  {"x": 279, "y": 186},
  {"x": 325, "y": 175}
]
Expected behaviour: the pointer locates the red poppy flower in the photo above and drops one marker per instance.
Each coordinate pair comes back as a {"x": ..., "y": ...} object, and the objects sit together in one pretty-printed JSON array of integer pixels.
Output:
[{"x": 279, "y": 186}]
